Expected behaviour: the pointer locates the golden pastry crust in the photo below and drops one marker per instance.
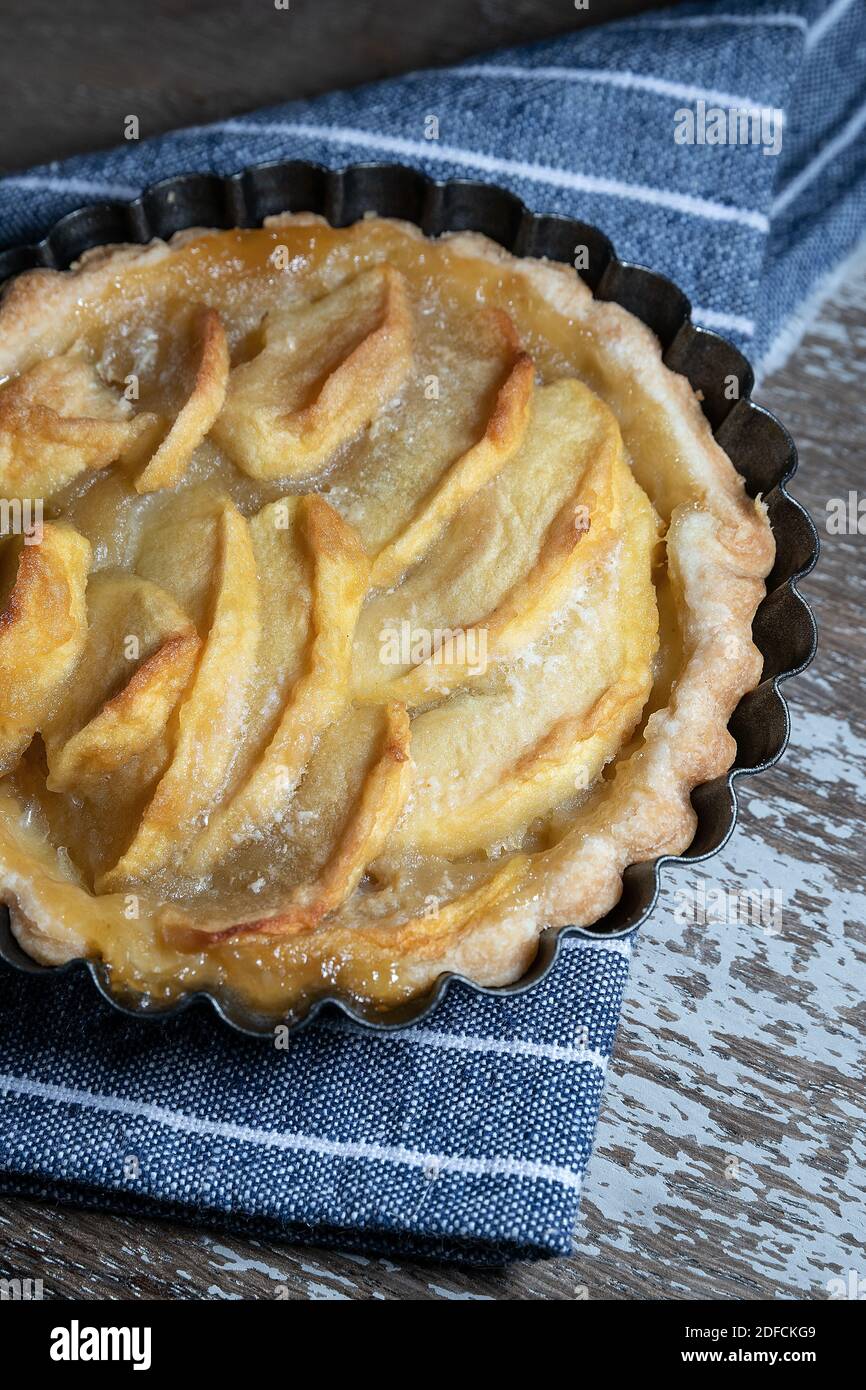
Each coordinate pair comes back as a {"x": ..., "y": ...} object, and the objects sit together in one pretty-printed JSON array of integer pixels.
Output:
[{"x": 399, "y": 434}]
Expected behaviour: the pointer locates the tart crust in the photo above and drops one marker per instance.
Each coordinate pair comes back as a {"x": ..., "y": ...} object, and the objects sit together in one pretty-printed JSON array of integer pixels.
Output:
[{"x": 664, "y": 719}]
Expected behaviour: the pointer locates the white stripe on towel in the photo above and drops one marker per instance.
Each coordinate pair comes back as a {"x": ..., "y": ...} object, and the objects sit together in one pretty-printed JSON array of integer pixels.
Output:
[
  {"x": 538, "y": 173},
  {"x": 294, "y": 1143},
  {"x": 831, "y": 16},
  {"x": 706, "y": 21},
  {"x": 849, "y": 132},
  {"x": 464, "y": 1042},
  {"x": 627, "y": 81},
  {"x": 714, "y": 318},
  {"x": 53, "y": 184}
]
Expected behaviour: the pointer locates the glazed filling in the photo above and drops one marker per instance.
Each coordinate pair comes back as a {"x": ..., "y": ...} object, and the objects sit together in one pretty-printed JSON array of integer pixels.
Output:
[{"x": 349, "y": 601}]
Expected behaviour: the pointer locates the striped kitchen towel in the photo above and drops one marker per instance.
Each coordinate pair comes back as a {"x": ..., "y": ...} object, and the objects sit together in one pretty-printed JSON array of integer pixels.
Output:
[{"x": 466, "y": 1136}]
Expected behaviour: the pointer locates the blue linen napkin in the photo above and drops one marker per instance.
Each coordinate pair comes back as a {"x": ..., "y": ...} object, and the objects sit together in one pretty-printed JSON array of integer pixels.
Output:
[{"x": 466, "y": 1136}]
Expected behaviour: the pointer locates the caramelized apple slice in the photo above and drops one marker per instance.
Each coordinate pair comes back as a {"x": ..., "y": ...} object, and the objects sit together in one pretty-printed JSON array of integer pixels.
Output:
[
  {"x": 538, "y": 730},
  {"x": 382, "y": 800},
  {"x": 169, "y": 464},
  {"x": 573, "y": 451},
  {"x": 180, "y": 553},
  {"x": 423, "y": 936},
  {"x": 502, "y": 437},
  {"x": 128, "y": 620},
  {"x": 340, "y": 577},
  {"x": 57, "y": 420},
  {"x": 139, "y": 657},
  {"x": 363, "y": 838},
  {"x": 42, "y": 634},
  {"x": 211, "y": 717},
  {"x": 132, "y": 725},
  {"x": 570, "y": 756},
  {"x": 325, "y": 372}
]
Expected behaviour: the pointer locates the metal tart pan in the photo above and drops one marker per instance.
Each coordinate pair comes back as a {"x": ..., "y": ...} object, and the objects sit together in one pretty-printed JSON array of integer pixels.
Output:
[{"x": 760, "y": 447}]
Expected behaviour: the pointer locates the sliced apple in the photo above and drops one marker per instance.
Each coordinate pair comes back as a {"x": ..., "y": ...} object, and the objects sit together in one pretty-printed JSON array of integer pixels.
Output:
[
  {"x": 504, "y": 433},
  {"x": 171, "y": 460},
  {"x": 211, "y": 717},
  {"x": 43, "y": 629},
  {"x": 57, "y": 420},
  {"x": 340, "y": 578},
  {"x": 326, "y": 370}
]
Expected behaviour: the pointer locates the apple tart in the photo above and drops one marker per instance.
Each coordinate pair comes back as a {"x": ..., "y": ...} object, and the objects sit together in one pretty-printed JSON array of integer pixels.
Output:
[{"x": 389, "y": 598}]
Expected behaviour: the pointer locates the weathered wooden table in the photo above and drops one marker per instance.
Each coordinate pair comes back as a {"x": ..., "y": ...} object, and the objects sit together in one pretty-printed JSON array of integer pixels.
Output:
[{"x": 729, "y": 1155}]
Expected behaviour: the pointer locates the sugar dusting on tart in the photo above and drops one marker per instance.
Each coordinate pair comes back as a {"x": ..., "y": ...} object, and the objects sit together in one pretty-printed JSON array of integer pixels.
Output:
[{"x": 391, "y": 599}]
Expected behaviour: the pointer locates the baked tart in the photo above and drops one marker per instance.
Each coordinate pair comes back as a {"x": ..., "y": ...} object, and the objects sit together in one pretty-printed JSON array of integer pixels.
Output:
[{"x": 389, "y": 598}]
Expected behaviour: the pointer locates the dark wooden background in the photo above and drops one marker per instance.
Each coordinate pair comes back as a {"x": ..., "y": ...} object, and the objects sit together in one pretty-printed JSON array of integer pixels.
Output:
[
  {"x": 726, "y": 1163},
  {"x": 71, "y": 70}
]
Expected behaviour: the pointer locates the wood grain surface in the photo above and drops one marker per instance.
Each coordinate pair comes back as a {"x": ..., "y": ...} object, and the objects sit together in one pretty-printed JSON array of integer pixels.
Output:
[
  {"x": 73, "y": 71},
  {"x": 729, "y": 1156}
]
